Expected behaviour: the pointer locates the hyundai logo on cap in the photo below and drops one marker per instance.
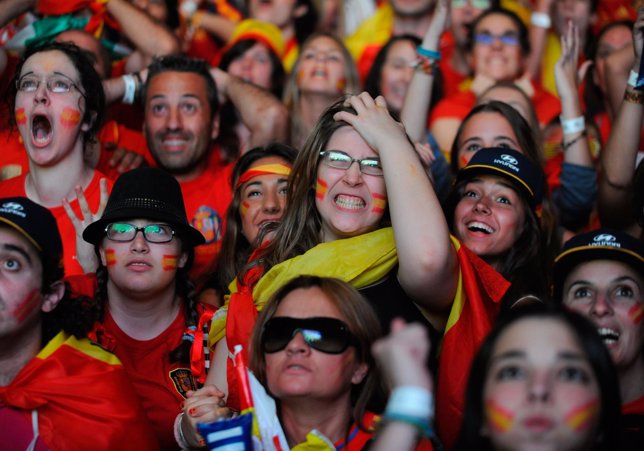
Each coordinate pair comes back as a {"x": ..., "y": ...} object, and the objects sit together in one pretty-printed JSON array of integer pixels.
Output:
[
  {"x": 13, "y": 208},
  {"x": 509, "y": 158},
  {"x": 605, "y": 240},
  {"x": 604, "y": 237}
]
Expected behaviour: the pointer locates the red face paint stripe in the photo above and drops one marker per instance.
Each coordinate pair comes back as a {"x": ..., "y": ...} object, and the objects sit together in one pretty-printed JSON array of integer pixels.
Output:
[
  {"x": 169, "y": 262},
  {"x": 636, "y": 313},
  {"x": 500, "y": 419},
  {"x": 464, "y": 161},
  {"x": 21, "y": 117},
  {"x": 70, "y": 116},
  {"x": 243, "y": 209},
  {"x": 320, "y": 189},
  {"x": 580, "y": 417},
  {"x": 27, "y": 305},
  {"x": 110, "y": 257}
]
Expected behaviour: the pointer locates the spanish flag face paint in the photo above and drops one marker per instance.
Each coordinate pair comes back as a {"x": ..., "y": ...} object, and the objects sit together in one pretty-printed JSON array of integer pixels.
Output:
[
  {"x": 498, "y": 418},
  {"x": 169, "y": 262},
  {"x": 110, "y": 257},
  {"x": 379, "y": 203},
  {"x": 635, "y": 313},
  {"x": 243, "y": 208},
  {"x": 581, "y": 418},
  {"x": 70, "y": 117},
  {"x": 21, "y": 117},
  {"x": 27, "y": 305},
  {"x": 321, "y": 188}
]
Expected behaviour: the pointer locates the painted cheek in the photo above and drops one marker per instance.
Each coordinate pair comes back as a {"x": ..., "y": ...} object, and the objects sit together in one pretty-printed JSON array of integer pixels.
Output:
[
  {"x": 341, "y": 84},
  {"x": 499, "y": 418},
  {"x": 464, "y": 161},
  {"x": 21, "y": 117},
  {"x": 169, "y": 262},
  {"x": 243, "y": 208},
  {"x": 110, "y": 257},
  {"x": 379, "y": 203},
  {"x": 27, "y": 305},
  {"x": 320, "y": 189},
  {"x": 70, "y": 117},
  {"x": 300, "y": 76},
  {"x": 580, "y": 418},
  {"x": 636, "y": 313}
]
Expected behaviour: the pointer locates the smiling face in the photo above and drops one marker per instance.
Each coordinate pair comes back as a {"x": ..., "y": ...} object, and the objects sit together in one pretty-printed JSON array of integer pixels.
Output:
[
  {"x": 179, "y": 125},
  {"x": 397, "y": 72},
  {"x": 322, "y": 67},
  {"x": 139, "y": 269},
  {"x": 298, "y": 370},
  {"x": 609, "y": 293},
  {"x": 263, "y": 198},
  {"x": 350, "y": 203},
  {"x": 20, "y": 280},
  {"x": 50, "y": 123},
  {"x": 411, "y": 8},
  {"x": 579, "y": 11},
  {"x": 497, "y": 60},
  {"x": 486, "y": 129},
  {"x": 463, "y": 13},
  {"x": 490, "y": 217},
  {"x": 254, "y": 66},
  {"x": 540, "y": 391}
]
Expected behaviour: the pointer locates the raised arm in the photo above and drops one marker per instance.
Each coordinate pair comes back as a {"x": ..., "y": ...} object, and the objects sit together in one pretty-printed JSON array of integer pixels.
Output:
[
  {"x": 149, "y": 37},
  {"x": 427, "y": 261},
  {"x": 418, "y": 97},
  {"x": 619, "y": 157},
  {"x": 264, "y": 115},
  {"x": 540, "y": 22}
]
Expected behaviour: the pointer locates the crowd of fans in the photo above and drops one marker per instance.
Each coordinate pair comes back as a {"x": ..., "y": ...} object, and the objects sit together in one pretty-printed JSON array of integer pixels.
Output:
[{"x": 418, "y": 223}]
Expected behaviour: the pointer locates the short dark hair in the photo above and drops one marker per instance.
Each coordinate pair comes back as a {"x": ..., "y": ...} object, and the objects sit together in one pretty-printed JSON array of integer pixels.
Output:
[
  {"x": 179, "y": 63},
  {"x": 90, "y": 84},
  {"x": 524, "y": 42},
  {"x": 588, "y": 340}
]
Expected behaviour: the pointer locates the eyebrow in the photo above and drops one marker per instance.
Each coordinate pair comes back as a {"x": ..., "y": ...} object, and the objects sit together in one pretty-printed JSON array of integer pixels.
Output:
[
  {"x": 512, "y": 354},
  {"x": 17, "y": 249}
]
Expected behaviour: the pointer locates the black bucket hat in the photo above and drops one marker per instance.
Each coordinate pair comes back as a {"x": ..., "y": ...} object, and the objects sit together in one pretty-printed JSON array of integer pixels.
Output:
[
  {"x": 511, "y": 165},
  {"x": 601, "y": 244},
  {"x": 146, "y": 193}
]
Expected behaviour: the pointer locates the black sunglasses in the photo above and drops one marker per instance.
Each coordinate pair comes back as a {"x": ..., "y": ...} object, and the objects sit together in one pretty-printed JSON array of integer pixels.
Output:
[{"x": 328, "y": 335}]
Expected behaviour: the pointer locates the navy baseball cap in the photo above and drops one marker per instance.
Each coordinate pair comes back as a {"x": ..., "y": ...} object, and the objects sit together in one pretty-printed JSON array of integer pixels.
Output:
[
  {"x": 601, "y": 244},
  {"x": 510, "y": 164},
  {"x": 36, "y": 223}
]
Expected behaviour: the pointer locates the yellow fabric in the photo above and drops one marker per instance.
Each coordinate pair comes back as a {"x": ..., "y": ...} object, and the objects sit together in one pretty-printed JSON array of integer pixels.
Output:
[
  {"x": 551, "y": 54},
  {"x": 251, "y": 28},
  {"x": 85, "y": 346},
  {"x": 520, "y": 10},
  {"x": 360, "y": 261},
  {"x": 459, "y": 297},
  {"x": 315, "y": 441},
  {"x": 375, "y": 30},
  {"x": 290, "y": 57}
]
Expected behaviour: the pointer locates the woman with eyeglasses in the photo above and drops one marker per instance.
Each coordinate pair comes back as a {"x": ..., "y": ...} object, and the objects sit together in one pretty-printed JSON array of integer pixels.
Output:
[
  {"x": 357, "y": 175},
  {"x": 497, "y": 50},
  {"x": 58, "y": 106},
  {"x": 311, "y": 349},
  {"x": 146, "y": 306}
]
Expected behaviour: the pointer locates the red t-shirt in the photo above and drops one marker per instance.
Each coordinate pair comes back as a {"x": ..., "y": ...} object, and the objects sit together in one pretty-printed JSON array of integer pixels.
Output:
[
  {"x": 16, "y": 187},
  {"x": 161, "y": 385},
  {"x": 207, "y": 198}
]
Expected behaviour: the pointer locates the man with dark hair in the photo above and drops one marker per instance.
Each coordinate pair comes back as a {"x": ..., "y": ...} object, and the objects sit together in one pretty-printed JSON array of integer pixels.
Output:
[
  {"x": 181, "y": 125},
  {"x": 57, "y": 389}
]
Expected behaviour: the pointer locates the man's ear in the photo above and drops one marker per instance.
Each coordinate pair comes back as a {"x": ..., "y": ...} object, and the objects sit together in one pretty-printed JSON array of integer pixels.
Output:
[
  {"x": 53, "y": 296},
  {"x": 215, "y": 126}
]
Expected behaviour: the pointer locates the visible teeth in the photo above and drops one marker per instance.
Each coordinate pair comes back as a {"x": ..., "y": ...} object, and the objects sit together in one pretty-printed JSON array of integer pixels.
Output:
[
  {"x": 41, "y": 129},
  {"x": 174, "y": 142},
  {"x": 350, "y": 202},
  {"x": 608, "y": 335},
  {"x": 479, "y": 227}
]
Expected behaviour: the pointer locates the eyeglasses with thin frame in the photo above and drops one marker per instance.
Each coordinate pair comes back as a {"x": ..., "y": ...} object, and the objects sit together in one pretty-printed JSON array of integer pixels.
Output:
[
  {"x": 341, "y": 160},
  {"x": 486, "y": 38},
  {"x": 478, "y": 4},
  {"x": 153, "y": 233},
  {"x": 324, "y": 334},
  {"x": 56, "y": 84}
]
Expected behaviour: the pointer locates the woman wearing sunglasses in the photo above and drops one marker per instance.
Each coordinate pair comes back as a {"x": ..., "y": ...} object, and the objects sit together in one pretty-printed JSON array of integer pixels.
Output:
[
  {"x": 58, "y": 106},
  {"x": 311, "y": 350},
  {"x": 147, "y": 314}
]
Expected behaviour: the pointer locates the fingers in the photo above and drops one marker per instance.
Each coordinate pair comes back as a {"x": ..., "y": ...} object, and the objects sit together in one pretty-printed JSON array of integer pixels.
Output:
[
  {"x": 71, "y": 214},
  {"x": 104, "y": 195}
]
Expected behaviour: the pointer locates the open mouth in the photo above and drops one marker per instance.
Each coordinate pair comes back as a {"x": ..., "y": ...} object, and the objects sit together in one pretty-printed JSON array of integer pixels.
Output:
[
  {"x": 41, "y": 130},
  {"x": 609, "y": 336},
  {"x": 349, "y": 202},
  {"x": 479, "y": 227}
]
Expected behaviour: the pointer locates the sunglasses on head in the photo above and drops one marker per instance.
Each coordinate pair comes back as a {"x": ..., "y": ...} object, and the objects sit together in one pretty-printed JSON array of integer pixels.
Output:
[{"x": 328, "y": 335}]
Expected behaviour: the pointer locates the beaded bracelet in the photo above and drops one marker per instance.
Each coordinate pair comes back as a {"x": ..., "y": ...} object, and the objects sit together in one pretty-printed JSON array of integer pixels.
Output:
[
  {"x": 425, "y": 65},
  {"x": 634, "y": 97}
]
